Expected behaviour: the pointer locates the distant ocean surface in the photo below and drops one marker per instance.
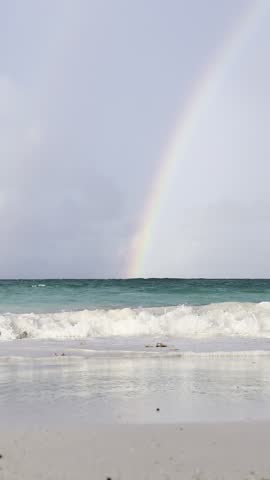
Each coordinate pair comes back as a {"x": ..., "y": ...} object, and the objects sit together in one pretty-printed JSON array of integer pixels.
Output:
[{"x": 101, "y": 308}]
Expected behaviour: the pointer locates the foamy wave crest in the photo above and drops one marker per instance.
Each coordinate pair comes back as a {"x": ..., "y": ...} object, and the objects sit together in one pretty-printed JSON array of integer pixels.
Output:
[{"x": 223, "y": 319}]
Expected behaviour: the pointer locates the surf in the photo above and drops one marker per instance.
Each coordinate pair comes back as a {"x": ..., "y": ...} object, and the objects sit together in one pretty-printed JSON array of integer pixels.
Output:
[{"x": 230, "y": 319}]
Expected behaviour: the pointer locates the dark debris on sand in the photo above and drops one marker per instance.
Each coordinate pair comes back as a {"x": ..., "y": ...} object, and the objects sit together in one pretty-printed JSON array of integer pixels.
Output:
[{"x": 22, "y": 335}]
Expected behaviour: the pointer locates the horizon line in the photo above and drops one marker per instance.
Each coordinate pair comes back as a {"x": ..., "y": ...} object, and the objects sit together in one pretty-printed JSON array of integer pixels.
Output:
[{"x": 129, "y": 278}]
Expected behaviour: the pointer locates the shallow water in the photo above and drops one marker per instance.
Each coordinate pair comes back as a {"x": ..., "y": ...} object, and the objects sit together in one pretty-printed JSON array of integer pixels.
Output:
[
  {"x": 57, "y": 309},
  {"x": 55, "y": 295}
]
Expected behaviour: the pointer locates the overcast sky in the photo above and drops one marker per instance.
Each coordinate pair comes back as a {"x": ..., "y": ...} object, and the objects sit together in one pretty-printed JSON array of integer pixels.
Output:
[{"x": 89, "y": 94}]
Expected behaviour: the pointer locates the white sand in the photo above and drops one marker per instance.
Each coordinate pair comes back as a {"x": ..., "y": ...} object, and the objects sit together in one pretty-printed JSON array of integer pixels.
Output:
[{"x": 188, "y": 451}]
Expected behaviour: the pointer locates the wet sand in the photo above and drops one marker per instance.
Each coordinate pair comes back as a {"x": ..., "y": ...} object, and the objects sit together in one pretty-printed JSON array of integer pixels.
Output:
[
  {"x": 131, "y": 415},
  {"x": 208, "y": 451}
]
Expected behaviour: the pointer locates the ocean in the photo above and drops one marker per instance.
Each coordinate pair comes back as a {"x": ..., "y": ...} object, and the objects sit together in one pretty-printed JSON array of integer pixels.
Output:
[{"x": 75, "y": 309}]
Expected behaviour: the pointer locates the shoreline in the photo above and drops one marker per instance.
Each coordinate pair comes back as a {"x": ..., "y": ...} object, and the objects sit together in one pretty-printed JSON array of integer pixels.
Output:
[{"x": 134, "y": 346}]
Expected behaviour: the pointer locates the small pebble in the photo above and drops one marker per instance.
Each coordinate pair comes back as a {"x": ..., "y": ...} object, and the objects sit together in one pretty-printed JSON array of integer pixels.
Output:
[{"x": 157, "y": 409}]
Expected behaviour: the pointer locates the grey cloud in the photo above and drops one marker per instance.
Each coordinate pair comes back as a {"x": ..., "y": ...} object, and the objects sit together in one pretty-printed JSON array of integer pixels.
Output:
[{"x": 89, "y": 92}]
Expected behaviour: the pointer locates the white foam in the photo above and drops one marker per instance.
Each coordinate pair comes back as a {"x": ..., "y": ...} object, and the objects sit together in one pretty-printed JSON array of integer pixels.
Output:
[{"x": 223, "y": 319}]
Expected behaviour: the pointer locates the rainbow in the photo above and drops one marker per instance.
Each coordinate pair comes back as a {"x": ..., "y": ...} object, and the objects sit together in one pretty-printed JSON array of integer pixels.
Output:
[{"x": 201, "y": 95}]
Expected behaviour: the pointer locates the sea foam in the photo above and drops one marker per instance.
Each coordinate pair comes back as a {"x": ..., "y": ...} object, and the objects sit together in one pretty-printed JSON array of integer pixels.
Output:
[{"x": 221, "y": 319}]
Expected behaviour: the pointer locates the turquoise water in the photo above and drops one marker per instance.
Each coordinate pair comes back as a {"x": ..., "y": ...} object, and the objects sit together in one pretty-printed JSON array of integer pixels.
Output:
[{"x": 20, "y": 296}]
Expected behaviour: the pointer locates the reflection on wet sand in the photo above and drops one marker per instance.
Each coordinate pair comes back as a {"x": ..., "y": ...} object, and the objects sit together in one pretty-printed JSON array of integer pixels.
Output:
[{"x": 129, "y": 390}]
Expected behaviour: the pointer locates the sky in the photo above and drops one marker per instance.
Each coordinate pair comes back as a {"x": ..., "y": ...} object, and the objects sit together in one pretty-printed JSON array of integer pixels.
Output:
[{"x": 90, "y": 92}]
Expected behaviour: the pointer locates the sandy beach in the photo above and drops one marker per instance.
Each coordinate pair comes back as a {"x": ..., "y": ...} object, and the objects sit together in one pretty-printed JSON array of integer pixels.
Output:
[
  {"x": 186, "y": 451},
  {"x": 131, "y": 417}
]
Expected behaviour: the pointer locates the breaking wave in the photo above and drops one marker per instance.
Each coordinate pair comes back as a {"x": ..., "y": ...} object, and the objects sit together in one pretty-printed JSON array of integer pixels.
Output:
[{"x": 222, "y": 319}]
